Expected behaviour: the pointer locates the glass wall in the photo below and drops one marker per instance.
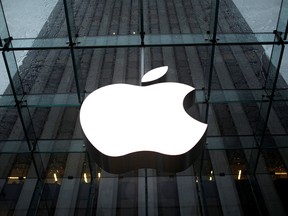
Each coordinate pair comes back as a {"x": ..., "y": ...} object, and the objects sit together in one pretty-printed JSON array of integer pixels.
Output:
[{"x": 55, "y": 53}]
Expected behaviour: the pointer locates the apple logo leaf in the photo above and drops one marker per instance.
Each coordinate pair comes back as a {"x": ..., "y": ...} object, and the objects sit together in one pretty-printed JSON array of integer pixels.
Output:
[
  {"x": 127, "y": 127},
  {"x": 154, "y": 76}
]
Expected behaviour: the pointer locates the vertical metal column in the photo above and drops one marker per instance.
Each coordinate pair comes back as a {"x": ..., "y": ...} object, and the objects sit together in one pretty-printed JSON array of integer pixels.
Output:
[
  {"x": 68, "y": 8},
  {"x": 213, "y": 40},
  {"x": 16, "y": 88},
  {"x": 18, "y": 98},
  {"x": 142, "y": 35},
  {"x": 16, "y": 83},
  {"x": 271, "y": 79},
  {"x": 266, "y": 107}
]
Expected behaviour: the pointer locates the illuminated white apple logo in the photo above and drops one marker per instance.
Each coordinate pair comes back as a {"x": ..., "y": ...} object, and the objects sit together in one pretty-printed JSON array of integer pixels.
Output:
[{"x": 128, "y": 127}]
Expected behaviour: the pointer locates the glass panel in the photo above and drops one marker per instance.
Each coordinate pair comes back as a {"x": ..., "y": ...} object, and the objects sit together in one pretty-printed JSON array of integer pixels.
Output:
[
  {"x": 217, "y": 96},
  {"x": 107, "y": 18},
  {"x": 245, "y": 16},
  {"x": 233, "y": 119},
  {"x": 37, "y": 43},
  {"x": 283, "y": 18},
  {"x": 13, "y": 146},
  {"x": 273, "y": 75},
  {"x": 47, "y": 71},
  {"x": 27, "y": 122},
  {"x": 61, "y": 146},
  {"x": 51, "y": 100},
  {"x": 11, "y": 128},
  {"x": 13, "y": 74},
  {"x": 246, "y": 143},
  {"x": 70, "y": 19},
  {"x": 58, "y": 117},
  {"x": 255, "y": 38},
  {"x": 284, "y": 66},
  {"x": 176, "y": 39},
  {"x": 283, "y": 27},
  {"x": 240, "y": 67},
  {"x": 238, "y": 71},
  {"x": 183, "y": 64},
  {"x": 101, "y": 67},
  {"x": 171, "y": 17},
  {"x": 108, "y": 41},
  {"x": 269, "y": 185},
  {"x": 273, "y": 80},
  {"x": 4, "y": 78},
  {"x": 134, "y": 40},
  {"x": 3, "y": 35},
  {"x": 18, "y": 170},
  {"x": 35, "y": 19}
]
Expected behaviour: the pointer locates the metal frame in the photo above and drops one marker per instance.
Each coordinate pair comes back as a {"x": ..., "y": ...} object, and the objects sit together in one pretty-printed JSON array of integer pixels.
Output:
[{"x": 142, "y": 41}]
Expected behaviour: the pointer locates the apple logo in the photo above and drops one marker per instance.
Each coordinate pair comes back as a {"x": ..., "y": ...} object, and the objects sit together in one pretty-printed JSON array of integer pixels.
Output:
[{"x": 127, "y": 127}]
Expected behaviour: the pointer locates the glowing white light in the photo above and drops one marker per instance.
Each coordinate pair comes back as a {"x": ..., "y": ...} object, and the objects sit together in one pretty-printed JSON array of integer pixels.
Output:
[
  {"x": 85, "y": 178},
  {"x": 210, "y": 179},
  {"x": 99, "y": 175},
  {"x": 120, "y": 119},
  {"x": 239, "y": 174},
  {"x": 155, "y": 74},
  {"x": 280, "y": 173},
  {"x": 15, "y": 178},
  {"x": 55, "y": 177}
]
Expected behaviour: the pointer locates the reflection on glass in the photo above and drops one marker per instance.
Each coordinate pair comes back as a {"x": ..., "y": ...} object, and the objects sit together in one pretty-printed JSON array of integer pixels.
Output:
[{"x": 243, "y": 155}]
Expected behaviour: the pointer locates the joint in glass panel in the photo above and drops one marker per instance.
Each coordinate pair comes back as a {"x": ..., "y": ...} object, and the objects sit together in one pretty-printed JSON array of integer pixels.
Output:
[
  {"x": 278, "y": 36},
  {"x": 7, "y": 43}
]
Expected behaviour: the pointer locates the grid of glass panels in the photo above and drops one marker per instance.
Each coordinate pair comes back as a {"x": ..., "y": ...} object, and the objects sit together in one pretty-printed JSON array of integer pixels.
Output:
[{"x": 234, "y": 56}]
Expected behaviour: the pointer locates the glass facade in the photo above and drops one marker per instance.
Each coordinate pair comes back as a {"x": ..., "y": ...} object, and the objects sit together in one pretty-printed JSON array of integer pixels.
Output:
[{"x": 236, "y": 61}]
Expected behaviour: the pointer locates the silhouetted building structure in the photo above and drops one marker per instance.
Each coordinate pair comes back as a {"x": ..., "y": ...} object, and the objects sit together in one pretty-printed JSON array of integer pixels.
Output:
[{"x": 86, "y": 44}]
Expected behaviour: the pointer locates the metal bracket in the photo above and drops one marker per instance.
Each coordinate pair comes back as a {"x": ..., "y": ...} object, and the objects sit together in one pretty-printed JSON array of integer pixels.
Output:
[
  {"x": 278, "y": 36},
  {"x": 7, "y": 43},
  {"x": 142, "y": 34}
]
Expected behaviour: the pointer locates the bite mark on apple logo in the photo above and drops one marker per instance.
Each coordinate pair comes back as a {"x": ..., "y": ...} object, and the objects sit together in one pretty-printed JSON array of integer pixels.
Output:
[{"x": 128, "y": 127}]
